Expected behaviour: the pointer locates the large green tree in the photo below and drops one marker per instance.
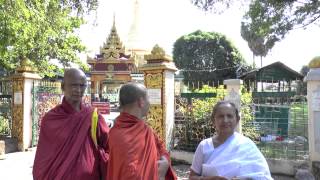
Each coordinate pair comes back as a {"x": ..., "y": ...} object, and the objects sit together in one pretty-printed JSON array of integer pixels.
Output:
[
  {"x": 206, "y": 57},
  {"x": 269, "y": 21},
  {"x": 41, "y": 30}
]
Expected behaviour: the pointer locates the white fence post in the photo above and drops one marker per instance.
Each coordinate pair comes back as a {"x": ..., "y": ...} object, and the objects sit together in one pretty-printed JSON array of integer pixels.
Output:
[
  {"x": 313, "y": 95},
  {"x": 234, "y": 95}
]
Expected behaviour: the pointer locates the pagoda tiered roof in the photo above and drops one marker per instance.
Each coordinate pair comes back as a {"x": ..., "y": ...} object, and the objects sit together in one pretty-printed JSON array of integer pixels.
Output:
[{"x": 112, "y": 50}]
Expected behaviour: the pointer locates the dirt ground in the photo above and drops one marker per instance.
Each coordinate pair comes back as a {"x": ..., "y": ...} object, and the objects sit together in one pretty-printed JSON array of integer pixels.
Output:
[{"x": 182, "y": 171}]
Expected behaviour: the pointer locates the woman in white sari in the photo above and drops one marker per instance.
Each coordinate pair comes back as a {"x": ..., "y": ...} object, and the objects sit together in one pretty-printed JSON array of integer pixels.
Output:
[{"x": 228, "y": 154}]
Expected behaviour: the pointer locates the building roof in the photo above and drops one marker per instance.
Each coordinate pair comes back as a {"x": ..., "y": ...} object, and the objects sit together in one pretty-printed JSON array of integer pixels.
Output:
[
  {"x": 112, "y": 49},
  {"x": 271, "y": 73}
]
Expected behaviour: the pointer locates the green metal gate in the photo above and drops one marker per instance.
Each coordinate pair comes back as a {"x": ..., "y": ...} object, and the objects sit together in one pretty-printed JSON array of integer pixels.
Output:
[
  {"x": 5, "y": 107},
  {"x": 281, "y": 118},
  {"x": 192, "y": 117},
  {"x": 45, "y": 96}
]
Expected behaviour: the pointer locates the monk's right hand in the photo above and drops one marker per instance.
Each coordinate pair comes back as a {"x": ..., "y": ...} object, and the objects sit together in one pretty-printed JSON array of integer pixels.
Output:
[{"x": 163, "y": 166}]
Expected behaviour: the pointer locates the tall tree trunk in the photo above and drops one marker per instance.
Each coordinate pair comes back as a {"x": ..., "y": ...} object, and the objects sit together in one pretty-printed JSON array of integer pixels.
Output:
[{"x": 253, "y": 61}]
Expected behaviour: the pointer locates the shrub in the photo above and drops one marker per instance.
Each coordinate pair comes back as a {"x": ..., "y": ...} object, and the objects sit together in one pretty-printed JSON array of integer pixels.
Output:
[{"x": 4, "y": 125}]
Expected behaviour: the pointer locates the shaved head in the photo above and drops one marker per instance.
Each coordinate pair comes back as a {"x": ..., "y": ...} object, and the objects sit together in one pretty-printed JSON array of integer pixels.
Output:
[
  {"x": 131, "y": 92},
  {"x": 72, "y": 73},
  {"x": 134, "y": 100},
  {"x": 74, "y": 85}
]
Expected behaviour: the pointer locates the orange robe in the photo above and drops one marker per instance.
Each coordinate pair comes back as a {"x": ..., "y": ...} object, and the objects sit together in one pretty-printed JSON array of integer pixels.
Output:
[
  {"x": 66, "y": 150},
  {"x": 134, "y": 151}
]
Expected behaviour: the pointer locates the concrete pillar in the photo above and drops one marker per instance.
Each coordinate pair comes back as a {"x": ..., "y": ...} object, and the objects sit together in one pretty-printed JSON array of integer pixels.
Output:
[
  {"x": 159, "y": 80},
  {"x": 233, "y": 95},
  {"x": 313, "y": 95},
  {"x": 22, "y": 104}
]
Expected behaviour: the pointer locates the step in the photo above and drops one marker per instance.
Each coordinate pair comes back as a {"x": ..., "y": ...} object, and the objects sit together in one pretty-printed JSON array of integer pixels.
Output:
[{"x": 8, "y": 145}]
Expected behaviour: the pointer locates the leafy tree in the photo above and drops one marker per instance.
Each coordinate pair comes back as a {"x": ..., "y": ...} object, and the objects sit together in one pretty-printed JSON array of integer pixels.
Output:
[
  {"x": 269, "y": 21},
  {"x": 41, "y": 30},
  {"x": 214, "y": 5},
  {"x": 206, "y": 57},
  {"x": 301, "y": 85},
  {"x": 304, "y": 70}
]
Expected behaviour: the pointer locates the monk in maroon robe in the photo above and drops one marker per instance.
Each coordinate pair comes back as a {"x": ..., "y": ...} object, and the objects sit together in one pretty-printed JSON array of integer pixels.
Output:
[
  {"x": 66, "y": 150},
  {"x": 136, "y": 153}
]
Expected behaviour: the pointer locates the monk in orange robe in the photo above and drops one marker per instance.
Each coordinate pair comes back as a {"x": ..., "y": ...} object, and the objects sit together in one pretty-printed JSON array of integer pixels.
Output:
[
  {"x": 136, "y": 153},
  {"x": 66, "y": 149}
]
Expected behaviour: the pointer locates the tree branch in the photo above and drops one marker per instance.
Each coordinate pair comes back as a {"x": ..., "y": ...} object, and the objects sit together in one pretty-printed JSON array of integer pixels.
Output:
[{"x": 310, "y": 22}]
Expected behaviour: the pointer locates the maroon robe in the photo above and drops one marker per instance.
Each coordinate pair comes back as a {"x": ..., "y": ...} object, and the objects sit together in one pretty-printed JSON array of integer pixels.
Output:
[
  {"x": 66, "y": 150},
  {"x": 134, "y": 151}
]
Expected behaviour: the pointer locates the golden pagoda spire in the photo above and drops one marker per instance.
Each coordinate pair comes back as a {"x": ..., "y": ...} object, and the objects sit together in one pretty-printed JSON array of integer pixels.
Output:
[{"x": 113, "y": 46}]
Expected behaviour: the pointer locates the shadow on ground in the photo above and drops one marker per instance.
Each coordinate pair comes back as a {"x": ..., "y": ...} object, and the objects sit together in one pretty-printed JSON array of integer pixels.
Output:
[{"x": 182, "y": 171}]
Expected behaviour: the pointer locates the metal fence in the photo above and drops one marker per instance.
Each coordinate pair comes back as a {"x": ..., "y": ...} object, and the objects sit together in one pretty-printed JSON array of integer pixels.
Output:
[
  {"x": 45, "y": 96},
  {"x": 277, "y": 122},
  {"x": 282, "y": 123},
  {"x": 192, "y": 118},
  {"x": 5, "y": 107}
]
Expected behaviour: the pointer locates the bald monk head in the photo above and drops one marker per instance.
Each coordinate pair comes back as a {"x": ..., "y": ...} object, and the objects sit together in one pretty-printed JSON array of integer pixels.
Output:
[
  {"x": 134, "y": 100},
  {"x": 74, "y": 85}
]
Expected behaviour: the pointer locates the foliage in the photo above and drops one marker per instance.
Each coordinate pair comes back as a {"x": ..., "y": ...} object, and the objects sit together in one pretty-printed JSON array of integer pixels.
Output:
[
  {"x": 216, "y": 6},
  {"x": 267, "y": 22},
  {"x": 304, "y": 70},
  {"x": 262, "y": 26},
  {"x": 202, "y": 108},
  {"x": 206, "y": 57},
  {"x": 247, "y": 116},
  {"x": 301, "y": 85},
  {"x": 41, "y": 31},
  {"x": 4, "y": 125},
  {"x": 197, "y": 124}
]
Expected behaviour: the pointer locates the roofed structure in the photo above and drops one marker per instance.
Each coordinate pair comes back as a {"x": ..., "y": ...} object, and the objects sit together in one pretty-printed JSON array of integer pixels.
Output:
[
  {"x": 111, "y": 67},
  {"x": 274, "y": 80},
  {"x": 271, "y": 73}
]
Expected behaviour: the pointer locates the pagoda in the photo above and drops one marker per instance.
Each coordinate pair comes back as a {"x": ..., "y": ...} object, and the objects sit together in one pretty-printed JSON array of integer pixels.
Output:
[
  {"x": 111, "y": 68},
  {"x": 135, "y": 44}
]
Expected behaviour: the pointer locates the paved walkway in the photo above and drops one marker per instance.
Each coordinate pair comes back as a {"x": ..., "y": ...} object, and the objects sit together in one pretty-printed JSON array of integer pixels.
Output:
[{"x": 17, "y": 166}]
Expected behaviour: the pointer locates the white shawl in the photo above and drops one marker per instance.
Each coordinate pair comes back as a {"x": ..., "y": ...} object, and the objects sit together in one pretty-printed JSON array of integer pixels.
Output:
[{"x": 237, "y": 157}]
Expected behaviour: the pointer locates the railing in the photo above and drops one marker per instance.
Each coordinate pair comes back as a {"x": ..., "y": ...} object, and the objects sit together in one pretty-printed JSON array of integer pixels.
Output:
[
  {"x": 189, "y": 133},
  {"x": 45, "y": 96},
  {"x": 280, "y": 127},
  {"x": 5, "y": 107},
  {"x": 277, "y": 145},
  {"x": 283, "y": 129}
]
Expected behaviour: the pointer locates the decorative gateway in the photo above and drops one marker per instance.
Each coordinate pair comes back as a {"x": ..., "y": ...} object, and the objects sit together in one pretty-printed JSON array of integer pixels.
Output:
[{"x": 111, "y": 68}]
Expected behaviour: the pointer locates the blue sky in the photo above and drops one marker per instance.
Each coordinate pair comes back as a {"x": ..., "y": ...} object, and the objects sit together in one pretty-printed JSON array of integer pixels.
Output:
[{"x": 164, "y": 21}]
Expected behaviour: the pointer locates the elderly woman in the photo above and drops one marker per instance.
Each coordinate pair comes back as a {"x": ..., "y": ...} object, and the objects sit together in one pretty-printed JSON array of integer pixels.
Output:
[{"x": 228, "y": 154}]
